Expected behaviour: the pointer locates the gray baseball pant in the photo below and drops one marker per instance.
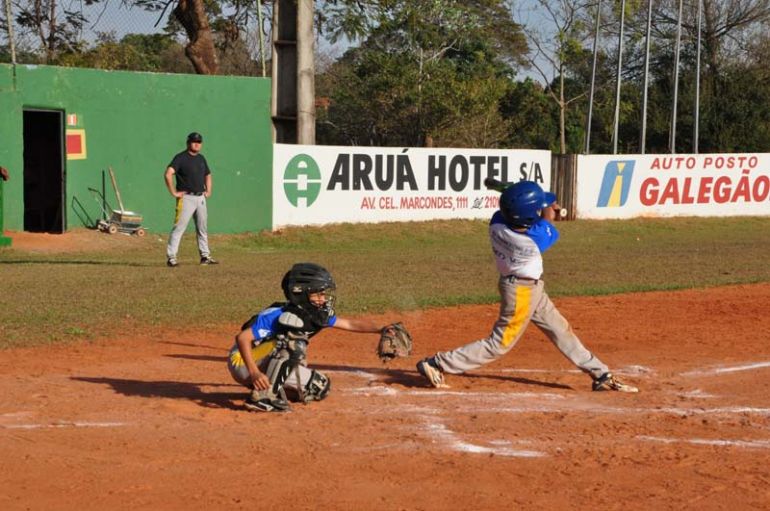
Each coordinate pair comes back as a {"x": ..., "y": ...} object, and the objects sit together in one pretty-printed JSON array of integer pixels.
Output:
[
  {"x": 261, "y": 356},
  {"x": 189, "y": 206},
  {"x": 522, "y": 301}
]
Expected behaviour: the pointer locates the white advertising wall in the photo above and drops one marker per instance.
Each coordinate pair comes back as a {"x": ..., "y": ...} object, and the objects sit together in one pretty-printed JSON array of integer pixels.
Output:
[
  {"x": 331, "y": 184},
  {"x": 627, "y": 186}
]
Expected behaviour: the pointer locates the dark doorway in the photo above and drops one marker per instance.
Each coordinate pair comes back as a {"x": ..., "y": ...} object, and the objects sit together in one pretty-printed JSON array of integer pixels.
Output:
[{"x": 43, "y": 171}]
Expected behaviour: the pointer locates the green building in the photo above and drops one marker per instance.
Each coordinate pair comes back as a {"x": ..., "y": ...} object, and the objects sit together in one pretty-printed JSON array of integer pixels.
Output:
[{"x": 63, "y": 128}]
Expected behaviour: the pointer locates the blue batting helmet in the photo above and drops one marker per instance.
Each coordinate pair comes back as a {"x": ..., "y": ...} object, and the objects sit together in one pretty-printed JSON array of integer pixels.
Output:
[{"x": 521, "y": 203}]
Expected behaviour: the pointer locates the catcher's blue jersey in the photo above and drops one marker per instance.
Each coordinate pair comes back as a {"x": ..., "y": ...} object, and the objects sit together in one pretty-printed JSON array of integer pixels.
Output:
[
  {"x": 519, "y": 253},
  {"x": 266, "y": 323}
]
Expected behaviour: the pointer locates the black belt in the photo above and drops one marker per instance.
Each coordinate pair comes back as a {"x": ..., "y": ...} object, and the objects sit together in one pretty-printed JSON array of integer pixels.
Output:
[
  {"x": 511, "y": 278},
  {"x": 197, "y": 194}
]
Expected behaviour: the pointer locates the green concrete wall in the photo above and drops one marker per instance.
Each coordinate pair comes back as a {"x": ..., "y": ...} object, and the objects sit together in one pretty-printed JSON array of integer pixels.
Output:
[
  {"x": 135, "y": 123},
  {"x": 4, "y": 240}
]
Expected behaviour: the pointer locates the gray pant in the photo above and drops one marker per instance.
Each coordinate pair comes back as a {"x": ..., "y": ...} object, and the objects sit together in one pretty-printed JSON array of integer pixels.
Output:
[
  {"x": 189, "y": 206},
  {"x": 522, "y": 301},
  {"x": 261, "y": 356}
]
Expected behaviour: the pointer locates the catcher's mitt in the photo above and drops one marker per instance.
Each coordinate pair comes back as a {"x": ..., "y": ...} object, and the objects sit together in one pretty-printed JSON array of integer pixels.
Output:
[{"x": 395, "y": 341}]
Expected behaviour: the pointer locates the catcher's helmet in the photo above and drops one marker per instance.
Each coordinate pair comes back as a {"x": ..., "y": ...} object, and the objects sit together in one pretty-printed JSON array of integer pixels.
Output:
[
  {"x": 305, "y": 279},
  {"x": 521, "y": 203}
]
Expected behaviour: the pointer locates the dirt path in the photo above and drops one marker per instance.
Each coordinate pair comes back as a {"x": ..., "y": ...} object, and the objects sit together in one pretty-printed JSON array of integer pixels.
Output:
[{"x": 155, "y": 423}]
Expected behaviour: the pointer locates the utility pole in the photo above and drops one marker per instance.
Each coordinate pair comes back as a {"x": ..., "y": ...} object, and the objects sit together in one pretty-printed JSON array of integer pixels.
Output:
[{"x": 593, "y": 78}]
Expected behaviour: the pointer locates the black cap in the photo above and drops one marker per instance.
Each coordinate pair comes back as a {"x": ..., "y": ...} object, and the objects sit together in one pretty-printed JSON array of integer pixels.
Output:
[{"x": 194, "y": 137}]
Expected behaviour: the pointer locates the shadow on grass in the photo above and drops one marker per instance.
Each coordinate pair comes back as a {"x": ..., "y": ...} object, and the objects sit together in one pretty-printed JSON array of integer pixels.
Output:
[{"x": 173, "y": 389}]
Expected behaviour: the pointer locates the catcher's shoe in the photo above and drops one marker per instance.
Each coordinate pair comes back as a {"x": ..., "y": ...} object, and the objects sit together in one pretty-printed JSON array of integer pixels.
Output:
[
  {"x": 429, "y": 368},
  {"x": 609, "y": 382},
  {"x": 266, "y": 405}
]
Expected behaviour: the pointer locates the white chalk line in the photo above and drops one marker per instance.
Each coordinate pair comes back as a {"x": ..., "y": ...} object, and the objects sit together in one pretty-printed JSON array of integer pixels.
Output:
[
  {"x": 380, "y": 390},
  {"x": 729, "y": 369},
  {"x": 449, "y": 437},
  {"x": 480, "y": 402},
  {"x": 751, "y": 444},
  {"x": 15, "y": 414},
  {"x": 76, "y": 424},
  {"x": 501, "y": 447},
  {"x": 593, "y": 409},
  {"x": 377, "y": 390},
  {"x": 697, "y": 394},
  {"x": 632, "y": 370}
]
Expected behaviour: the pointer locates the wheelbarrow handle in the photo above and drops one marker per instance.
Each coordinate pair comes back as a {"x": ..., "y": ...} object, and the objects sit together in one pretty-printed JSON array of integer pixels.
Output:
[{"x": 115, "y": 186}]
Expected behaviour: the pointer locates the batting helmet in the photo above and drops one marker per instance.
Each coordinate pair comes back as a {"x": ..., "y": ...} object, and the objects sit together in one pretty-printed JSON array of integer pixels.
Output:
[
  {"x": 521, "y": 203},
  {"x": 305, "y": 279}
]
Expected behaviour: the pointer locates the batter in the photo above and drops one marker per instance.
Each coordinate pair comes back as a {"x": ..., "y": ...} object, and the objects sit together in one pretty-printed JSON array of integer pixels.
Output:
[{"x": 520, "y": 231}]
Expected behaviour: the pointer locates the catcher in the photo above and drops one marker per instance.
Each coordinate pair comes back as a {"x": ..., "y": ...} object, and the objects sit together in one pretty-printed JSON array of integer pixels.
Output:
[
  {"x": 520, "y": 232},
  {"x": 269, "y": 355}
]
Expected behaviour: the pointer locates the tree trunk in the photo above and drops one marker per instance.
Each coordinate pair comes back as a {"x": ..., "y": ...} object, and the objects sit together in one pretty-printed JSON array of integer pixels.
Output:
[{"x": 200, "y": 50}]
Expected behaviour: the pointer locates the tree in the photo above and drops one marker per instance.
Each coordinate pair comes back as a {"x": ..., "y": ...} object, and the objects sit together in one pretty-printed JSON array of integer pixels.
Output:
[
  {"x": 135, "y": 52},
  {"x": 729, "y": 28},
  {"x": 422, "y": 69},
  {"x": 56, "y": 28},
  {"x": 557, "y": 33}
]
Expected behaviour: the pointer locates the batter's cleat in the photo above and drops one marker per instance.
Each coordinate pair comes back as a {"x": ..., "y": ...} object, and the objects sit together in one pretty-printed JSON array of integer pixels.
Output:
[
  {"x": 266, "y": 405},
  {"x": 609, "y": 382},
  {"x": 209, "y": 260},
  {"x": 172, "y": 262},
  {"x": 429, "y": 368}
]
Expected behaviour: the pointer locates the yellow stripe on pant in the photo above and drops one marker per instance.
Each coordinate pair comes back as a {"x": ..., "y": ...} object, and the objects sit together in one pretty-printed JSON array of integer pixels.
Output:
[
  {"x": 261, "y": 351},
  {"x": 178, "y": 211},
  {"x": 520, "y": 315}
]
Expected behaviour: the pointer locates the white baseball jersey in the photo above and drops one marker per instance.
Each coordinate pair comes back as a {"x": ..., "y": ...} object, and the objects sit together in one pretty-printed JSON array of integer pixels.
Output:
[{"x": 520, "y": 253}]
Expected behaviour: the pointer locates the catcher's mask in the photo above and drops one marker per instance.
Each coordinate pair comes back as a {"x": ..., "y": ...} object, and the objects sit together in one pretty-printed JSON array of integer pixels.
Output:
[
  {"x": 311, "y": 288},
  {"x": 521, "y": 203}
]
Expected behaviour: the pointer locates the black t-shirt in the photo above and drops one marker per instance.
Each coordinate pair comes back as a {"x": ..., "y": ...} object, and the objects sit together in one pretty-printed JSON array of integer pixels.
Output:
[{"x": 191, "y": 172}]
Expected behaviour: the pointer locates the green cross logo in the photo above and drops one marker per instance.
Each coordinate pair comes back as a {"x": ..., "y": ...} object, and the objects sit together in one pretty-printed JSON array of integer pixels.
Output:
[{"x": 302, "y": 179}]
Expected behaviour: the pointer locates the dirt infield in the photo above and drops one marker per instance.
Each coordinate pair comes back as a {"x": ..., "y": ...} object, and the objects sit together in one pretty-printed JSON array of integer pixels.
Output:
[{"x": 153, "y": 421}]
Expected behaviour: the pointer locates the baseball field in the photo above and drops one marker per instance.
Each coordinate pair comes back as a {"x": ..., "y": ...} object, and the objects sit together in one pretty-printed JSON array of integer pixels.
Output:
[{"x": 114, "y": 391}]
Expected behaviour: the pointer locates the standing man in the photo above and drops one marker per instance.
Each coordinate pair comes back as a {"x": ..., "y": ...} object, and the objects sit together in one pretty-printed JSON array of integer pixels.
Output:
[{"x": 193, "y": 187}]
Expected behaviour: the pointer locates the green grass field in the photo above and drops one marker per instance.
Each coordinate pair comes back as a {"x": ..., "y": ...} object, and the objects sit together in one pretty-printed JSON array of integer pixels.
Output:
[{"x": 91, "y": 293}]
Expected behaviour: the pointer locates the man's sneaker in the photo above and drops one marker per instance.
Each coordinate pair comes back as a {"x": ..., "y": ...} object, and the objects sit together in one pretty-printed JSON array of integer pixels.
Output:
[
  {"x": 209, "y": 260},
  {"x": 609, "y": 382},
  {"x": 172, "y": 263},
  {"x": 429, "y": 368},
  {"x": 265, "y": 405}
]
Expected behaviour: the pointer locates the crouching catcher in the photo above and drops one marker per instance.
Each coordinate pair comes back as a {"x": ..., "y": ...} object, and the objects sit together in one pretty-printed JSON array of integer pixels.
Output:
[{"x": 270, "y": 353}]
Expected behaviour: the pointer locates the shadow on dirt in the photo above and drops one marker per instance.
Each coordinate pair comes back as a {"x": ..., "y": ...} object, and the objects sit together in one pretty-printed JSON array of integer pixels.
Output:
[
  {"x": 516, "y": 379},
  {"x": 204, "y": 358},
  {"x": 173, "y": 389},
  {"x": 413, "y": 379},
  {"x": 223, "y": 349}
]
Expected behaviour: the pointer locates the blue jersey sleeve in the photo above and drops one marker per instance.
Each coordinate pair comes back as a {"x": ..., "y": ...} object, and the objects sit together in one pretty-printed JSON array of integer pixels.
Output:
[
  {"x": 544, "y": 234},
  {"x": 332, "y": 320},
  {"x": 265, "y": 324}
]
